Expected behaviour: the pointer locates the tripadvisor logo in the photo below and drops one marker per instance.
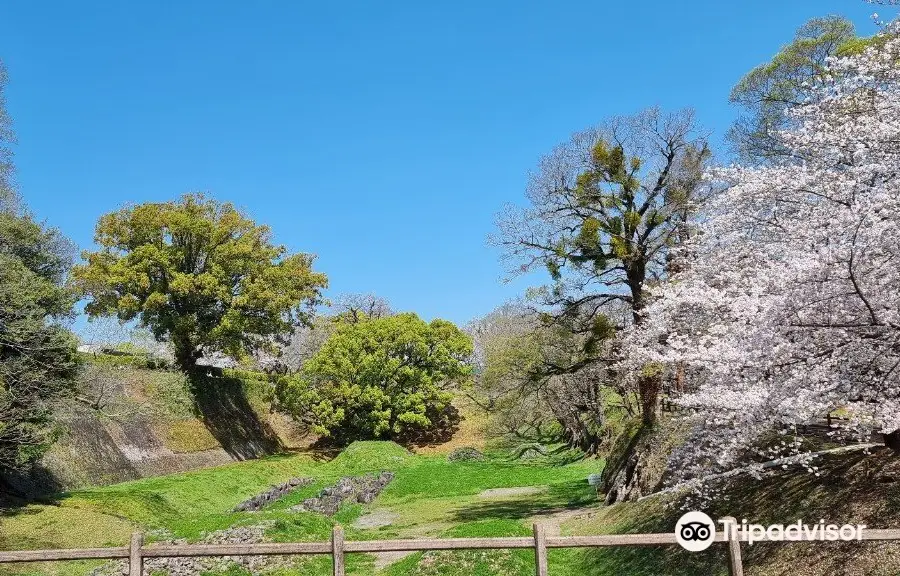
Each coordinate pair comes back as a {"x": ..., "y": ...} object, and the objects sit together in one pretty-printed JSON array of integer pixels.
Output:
[{"x": 695, "y": 531}]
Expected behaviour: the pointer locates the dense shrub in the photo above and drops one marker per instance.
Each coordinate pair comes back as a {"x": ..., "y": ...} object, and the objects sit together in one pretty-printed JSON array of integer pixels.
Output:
[
  {"x": 380, "y": 378},
  {"x": 464, "y": 453}
]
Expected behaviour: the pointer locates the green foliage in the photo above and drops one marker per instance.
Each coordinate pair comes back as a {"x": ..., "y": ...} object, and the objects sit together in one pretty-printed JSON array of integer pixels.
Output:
[
  {"x": 769, "y": 89},
  {"x": 38, "y": 361},
  {"x": 200, "y": 275},
  {"x": 525, "y": 379},
  {"x": 126, "y": 360},
  {"x": 251, "y": 375},
  {"x": 380, "y": 378}
]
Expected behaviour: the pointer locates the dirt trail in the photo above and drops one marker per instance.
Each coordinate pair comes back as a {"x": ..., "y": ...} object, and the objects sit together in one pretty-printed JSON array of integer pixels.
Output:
[{"x": 552, "y": 522}]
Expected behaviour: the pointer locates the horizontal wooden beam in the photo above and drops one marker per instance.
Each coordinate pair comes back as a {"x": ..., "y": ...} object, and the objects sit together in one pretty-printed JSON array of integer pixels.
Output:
[
  {"x": 275, "y": 549},
  {"x": 613, "y": 540},
  {"x": 408, "y": 545},
  {"x": 65, "y": 554},
  {"x": 414, "y": 545}
]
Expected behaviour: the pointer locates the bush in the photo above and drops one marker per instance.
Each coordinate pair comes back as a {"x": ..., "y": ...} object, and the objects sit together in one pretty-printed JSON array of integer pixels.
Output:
[
  {"x": 380, "y": 378},
  {"x": 465, "y": 453}
]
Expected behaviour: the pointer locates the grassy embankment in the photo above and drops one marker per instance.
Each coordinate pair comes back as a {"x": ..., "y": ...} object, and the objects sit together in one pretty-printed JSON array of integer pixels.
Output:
[
  {"x": 433, "y": 497},
  {"x": 429, "y": 496}
]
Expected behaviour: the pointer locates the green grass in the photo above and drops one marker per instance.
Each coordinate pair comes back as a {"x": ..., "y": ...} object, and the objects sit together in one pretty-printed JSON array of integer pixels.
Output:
[
  {"x": 432, "y": 497},
  {"x": 429, "y": 496},
  {"x": 471, "y": 562},
  {"x": 157, "y": 502}
]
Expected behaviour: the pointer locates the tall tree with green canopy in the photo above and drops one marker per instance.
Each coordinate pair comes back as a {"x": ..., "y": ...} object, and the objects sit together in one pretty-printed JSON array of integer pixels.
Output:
[
  {"x": 384, "y": 377},
  {"x": 767, "y": 91},
  {"x": 604, "y": 211},
  {"x": 38, "y": 361},
  {"x": 201, "y": 275},
  {"x": 513, "y": 350}
]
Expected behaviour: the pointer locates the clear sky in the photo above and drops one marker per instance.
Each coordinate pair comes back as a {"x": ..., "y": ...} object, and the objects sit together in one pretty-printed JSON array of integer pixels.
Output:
[{"x": 381, "y": 136}]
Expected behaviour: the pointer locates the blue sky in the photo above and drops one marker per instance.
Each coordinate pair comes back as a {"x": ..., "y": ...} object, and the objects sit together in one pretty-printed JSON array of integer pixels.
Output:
[{"x": 383, "y": 137}]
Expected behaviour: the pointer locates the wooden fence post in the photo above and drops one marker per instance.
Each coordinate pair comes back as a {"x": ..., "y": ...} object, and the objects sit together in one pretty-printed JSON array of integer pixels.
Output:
[
  {"x": 337, "y": 550},
  {"x": 735, "y": 566},
  {"x": 135, "y": 559},
  {"x": 540, "y": 550}
]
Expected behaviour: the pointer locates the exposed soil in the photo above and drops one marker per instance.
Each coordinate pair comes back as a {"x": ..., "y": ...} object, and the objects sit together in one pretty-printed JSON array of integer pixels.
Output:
[{"x": 376, "y": 519}]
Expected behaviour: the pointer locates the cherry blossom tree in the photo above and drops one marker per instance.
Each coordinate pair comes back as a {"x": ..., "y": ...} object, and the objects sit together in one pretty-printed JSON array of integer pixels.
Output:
[{"x": 788, "y": 305}]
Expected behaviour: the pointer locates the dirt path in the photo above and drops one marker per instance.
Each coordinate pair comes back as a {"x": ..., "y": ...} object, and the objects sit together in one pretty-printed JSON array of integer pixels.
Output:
[
  {"x": 385, "y": 559},
  {"x": 378, "y": 518},
  {"x": 553, "y": 522}
]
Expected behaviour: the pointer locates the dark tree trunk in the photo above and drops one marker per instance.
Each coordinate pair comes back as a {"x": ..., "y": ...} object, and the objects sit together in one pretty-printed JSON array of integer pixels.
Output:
[
  {"x": 186, "y": 355},
  {"x": 892, "y": 441},
  {"x": 648, "y": 388}
]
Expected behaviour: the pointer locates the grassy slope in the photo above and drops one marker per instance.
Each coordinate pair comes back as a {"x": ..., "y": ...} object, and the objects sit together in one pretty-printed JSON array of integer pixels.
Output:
[
  {"x": 429, "y": 496},
  {"x": 854, "y": 488},
  {"x": 433, "y": 497}
]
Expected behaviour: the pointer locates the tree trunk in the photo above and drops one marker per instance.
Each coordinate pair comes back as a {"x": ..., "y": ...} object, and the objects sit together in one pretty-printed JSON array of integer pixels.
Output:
[
  {"x": 892, "y": 441},
  {"x": 625, "y": 476},
  {"x": 648, "y": 388},
  {"x": 186, "y": 355}
]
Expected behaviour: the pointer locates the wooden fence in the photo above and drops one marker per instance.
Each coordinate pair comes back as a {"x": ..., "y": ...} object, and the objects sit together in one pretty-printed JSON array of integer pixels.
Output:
[{"x": 338, "y": 547}]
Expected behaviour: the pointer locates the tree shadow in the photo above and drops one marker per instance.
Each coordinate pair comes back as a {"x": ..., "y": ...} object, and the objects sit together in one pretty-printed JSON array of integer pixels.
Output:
[
  {"x": 851, "y": 488},
  {"x": 324, "y": 449},
  {"x": 558, "y": 498},
  {"x": 658, "y": 560},
  {"x": 35, "y": 484},
  {"x": 226, "y": 411},
  {"x": 99, "y": 458}
]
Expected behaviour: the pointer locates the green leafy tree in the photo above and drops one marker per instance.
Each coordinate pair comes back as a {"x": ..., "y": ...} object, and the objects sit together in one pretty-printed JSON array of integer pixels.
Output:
[
  {"x": 38, "y": 361},
  {"x": 517, "y": 358},
  {"x": 199, "y": 274},
  {"x": 383, "y": 377},
  {"x": 605, "y": 209},
  {"x": 768, "y": 90}
]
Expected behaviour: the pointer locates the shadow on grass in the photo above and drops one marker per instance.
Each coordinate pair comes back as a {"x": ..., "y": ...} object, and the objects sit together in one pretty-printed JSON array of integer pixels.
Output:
[
  {"x": 645, "y": 560},
  {"x": 669, "y": 560},
  {"x": 228, "y": 415},
  {"x": 20, "y": 488},
  {"x": 854, "y": 488},
  {"x": 558, "y": 498}
]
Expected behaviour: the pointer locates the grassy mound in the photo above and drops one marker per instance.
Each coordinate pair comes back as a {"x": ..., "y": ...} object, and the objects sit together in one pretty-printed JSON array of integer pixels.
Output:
[{"x": 369, "y": 456}]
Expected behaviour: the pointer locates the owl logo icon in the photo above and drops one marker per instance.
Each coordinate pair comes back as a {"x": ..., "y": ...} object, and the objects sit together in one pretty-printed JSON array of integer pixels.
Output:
[{"x": 695, "y": 531}]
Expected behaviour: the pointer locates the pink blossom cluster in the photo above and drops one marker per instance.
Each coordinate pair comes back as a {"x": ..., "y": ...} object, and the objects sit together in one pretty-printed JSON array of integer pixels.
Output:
[{"x": 788, "y": 307}]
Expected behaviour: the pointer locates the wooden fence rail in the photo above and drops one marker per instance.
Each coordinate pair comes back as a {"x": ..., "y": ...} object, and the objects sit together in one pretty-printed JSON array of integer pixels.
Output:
[{"x": 338, "y": 547}]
